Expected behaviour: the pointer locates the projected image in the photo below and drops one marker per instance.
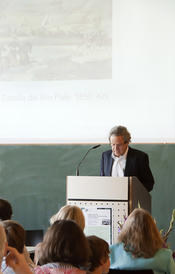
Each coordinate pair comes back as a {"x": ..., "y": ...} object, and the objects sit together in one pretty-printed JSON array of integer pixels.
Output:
[
  {"x": 98, "y": 222},
  {"x": 53, "y": 40}
]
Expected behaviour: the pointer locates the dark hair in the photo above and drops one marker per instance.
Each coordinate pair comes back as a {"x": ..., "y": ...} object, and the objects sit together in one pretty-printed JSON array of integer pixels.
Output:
[
  {"x": 65, "y": 242},
  {"x": 5, "y": 210},
  {"x": 15, "y": 234},
  {"x": 120, "y": 131},
  {"x": 99, "y": 251}
]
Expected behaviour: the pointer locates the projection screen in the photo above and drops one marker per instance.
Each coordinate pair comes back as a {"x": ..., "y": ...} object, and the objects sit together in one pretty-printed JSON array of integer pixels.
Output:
[{"x": 70, "y": 70}]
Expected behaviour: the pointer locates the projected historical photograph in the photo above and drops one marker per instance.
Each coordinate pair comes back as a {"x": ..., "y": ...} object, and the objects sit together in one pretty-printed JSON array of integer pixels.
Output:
[{"x": 52, "y": 40}]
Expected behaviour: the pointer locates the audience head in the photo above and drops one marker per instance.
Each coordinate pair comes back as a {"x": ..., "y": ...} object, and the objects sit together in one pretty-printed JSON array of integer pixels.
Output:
[
  {"x": 15, "y": 234},
  {"x": 140, "y": 234},
  {"x": 65, "y": 242},
  {"x": 5, "y": 210},
  {"x": 70, "y": 212},
  {"x": 3, "y": 242},
  {"x": 99, "y": 258}
]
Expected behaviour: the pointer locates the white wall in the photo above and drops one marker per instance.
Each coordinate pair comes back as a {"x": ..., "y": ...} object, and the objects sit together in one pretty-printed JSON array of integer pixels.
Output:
[{"x": 139, "y": 93}]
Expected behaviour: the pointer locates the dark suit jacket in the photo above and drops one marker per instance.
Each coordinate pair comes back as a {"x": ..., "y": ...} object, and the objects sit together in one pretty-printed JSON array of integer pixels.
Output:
[{"x": 137, "y": 164}]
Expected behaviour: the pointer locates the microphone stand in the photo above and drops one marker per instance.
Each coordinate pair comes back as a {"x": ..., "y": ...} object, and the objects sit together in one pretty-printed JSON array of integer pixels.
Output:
[{"x": 77, "y": 169}]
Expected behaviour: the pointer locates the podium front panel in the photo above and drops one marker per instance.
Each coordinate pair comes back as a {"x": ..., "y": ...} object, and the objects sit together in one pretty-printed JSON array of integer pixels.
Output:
[
  {"x": 97, "y": 188},
  {"x": 103, "y": 218}
]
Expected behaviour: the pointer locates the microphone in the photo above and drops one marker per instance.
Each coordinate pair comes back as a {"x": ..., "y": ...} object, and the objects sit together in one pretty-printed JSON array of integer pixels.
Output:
[{"x": 77, "y": 169}]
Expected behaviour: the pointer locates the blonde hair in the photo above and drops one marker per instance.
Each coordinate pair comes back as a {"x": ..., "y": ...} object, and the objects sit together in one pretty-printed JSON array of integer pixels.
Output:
[
  {"x": 3, "y": 241},
  {"x": 140, "y": 234},
  {"x": 69, "y": 212}
]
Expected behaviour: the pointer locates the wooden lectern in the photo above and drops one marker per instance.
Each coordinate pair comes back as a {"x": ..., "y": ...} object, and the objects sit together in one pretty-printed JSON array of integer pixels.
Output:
[{"x": 106, "y": 202}]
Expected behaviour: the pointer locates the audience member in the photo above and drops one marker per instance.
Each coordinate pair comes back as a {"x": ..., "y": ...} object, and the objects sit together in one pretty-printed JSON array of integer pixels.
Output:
[
  {"x": 140, "y": 246},
  {"x": 5, "y": 210},
  {"x": 17, "y": 261},
  {"x": 99, "y": 258},
  {"x": 69, "y": 212},
  {"x": 3, "y": 244},
  {"x": 64, "y": 248},
  {"x": 15, "y": 234}
]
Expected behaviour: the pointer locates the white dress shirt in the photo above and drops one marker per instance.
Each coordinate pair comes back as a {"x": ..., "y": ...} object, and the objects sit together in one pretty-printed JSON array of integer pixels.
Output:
[{"x": 119, "y": 164}]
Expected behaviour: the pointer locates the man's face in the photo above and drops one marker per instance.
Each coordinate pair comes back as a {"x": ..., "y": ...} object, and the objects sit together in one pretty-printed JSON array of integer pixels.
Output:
[{"x": 118, "y": 145}]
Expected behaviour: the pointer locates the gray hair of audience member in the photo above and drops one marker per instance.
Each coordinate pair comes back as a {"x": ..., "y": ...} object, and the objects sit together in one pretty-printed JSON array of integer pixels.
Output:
[
  {"x": 120, "y": 131},
  {"x": 70, "y": 212},
  {"x": 3, "y": 242},
  {"x": 15, "y": 234},
  {"x": 5, "y": 210}
]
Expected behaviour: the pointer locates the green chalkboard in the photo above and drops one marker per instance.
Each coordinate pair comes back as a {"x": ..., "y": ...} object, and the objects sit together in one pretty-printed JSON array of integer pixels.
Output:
[{"x": 33, "y": 179}]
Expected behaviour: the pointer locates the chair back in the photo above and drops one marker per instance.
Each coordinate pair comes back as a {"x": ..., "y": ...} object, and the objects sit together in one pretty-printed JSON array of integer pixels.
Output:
[
  {"x": 140, "y": 271},
  {"x": 33, "y": 237}
]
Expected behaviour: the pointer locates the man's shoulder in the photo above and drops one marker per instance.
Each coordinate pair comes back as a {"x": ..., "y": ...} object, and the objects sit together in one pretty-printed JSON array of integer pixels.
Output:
[
  {"x": 107, "y": 153},
  {"x": 136, "y": 152}
]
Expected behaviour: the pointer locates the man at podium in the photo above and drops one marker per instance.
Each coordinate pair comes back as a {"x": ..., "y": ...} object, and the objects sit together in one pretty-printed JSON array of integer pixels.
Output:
[{"x": 122, "y": 160}]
